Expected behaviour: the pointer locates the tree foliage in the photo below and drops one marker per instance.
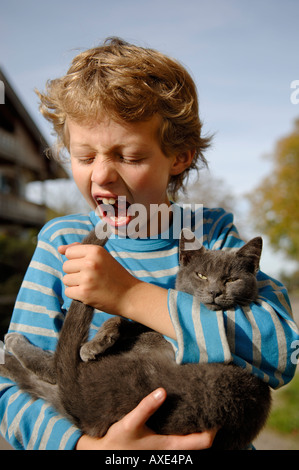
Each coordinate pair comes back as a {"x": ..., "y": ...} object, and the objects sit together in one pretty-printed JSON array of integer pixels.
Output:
[{"x": 275, "y": 203}]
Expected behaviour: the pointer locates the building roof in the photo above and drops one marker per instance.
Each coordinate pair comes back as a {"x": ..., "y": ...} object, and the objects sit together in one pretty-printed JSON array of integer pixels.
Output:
[{"x": 51, "y": 168}]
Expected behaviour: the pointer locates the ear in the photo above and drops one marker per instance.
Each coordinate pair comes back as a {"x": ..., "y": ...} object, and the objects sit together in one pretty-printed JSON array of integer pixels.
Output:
[
  {"x": 252, "y": 250},
  {"x": 188, "y": 244},
  {"x": 182, "y": 161}
]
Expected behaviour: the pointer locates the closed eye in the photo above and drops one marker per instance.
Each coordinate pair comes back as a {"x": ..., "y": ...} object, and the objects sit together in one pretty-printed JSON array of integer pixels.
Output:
[
  {"x": 230, "y": 280},
  {"x": 202, "y": 276},
  {"x": 130, "y": 160},
  {"x": 85, "y": 159}
]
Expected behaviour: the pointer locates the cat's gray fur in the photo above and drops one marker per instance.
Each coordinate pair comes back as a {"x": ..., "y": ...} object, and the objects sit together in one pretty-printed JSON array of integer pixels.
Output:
[{"x": 96, "y": 383}]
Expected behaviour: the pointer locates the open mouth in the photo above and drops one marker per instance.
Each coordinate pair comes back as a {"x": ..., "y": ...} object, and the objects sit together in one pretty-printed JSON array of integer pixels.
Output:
[{"x": 114, "y": 210}]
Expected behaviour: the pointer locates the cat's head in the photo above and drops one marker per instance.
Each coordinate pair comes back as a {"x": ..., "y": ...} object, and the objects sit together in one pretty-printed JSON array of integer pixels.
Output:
[{"x": 221, "y": 279}]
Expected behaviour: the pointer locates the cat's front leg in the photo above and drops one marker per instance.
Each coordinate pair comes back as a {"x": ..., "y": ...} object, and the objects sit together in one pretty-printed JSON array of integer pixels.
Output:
[
  {"x": 31, "y": 357},
  {"x": 105, "y": 337}
]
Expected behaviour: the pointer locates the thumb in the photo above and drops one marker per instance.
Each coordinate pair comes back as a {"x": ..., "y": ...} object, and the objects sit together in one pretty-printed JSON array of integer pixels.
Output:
[{"x": 145, "y": 409}]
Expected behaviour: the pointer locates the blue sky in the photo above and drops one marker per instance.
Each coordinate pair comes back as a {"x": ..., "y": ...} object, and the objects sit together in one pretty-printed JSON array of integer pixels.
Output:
[{"x": 243, "y": 55}]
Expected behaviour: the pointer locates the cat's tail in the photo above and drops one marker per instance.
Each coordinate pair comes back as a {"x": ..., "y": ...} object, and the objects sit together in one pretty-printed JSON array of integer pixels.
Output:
[{"x": 74, "y": 333}]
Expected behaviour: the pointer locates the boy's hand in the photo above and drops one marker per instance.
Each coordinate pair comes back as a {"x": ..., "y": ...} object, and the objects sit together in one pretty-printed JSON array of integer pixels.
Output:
[
  {"x": 95, "y": 278},
  {"x": 131, "y": 432}
]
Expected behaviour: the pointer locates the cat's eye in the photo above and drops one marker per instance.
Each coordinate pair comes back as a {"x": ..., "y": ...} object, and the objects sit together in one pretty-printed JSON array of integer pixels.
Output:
[
  {"x": 230, "y": 280},
  {"x": 202, "y": 276}
]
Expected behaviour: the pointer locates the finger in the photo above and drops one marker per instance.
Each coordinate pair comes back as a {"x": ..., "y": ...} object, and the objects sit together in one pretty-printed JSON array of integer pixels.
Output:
[
  {"x": 73, "y": 266},
  {"x": 75, "y": 250},
  {"x": 71, "y": 280},
  {"x": 144, "y": 410},
  {"x": 195, "y": 441},
  {"x": 72, "y": 292},
  {"x": 62, "y": 248}
]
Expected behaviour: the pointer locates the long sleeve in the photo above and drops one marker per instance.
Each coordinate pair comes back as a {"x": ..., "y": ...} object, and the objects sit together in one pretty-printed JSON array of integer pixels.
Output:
[
  {"x": 258, "y": 337},
  {"x": 38, "y": 314}
]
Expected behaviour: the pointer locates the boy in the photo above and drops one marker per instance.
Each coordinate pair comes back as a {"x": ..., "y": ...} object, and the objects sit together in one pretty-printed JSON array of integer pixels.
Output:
[{"x": 129, "y": 118}]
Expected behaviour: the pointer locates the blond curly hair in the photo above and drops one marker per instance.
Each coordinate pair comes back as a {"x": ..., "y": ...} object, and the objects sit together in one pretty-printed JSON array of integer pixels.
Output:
[{"x": 132, "y": 84}]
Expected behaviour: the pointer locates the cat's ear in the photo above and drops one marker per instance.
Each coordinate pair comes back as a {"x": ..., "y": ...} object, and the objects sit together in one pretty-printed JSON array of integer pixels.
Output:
[
  {"x": 252, "y": 250},
  {"x": 188, "y": 244}
]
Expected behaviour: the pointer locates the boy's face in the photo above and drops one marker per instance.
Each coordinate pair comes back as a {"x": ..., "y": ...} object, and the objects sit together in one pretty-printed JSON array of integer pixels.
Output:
[{"x": 111, "y": 160}]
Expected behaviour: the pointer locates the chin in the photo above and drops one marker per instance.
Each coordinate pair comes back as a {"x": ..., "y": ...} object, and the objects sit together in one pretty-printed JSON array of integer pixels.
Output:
[{"x": 215, "y": 307}]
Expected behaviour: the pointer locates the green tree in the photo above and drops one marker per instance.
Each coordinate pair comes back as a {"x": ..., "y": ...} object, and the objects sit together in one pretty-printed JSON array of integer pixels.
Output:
[{"x": 275, "y": 203}]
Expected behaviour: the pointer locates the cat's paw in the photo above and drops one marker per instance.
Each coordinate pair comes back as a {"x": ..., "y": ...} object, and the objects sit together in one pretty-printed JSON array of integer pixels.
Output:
[
  {"x": 88, "y": 353},
  {"x": 111, "y": 327},
  {"x": 104, "y": 339},
  {"x": 14, "y": 342}
]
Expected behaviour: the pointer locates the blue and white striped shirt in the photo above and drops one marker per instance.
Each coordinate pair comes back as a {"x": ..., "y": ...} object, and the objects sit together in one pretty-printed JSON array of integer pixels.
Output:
[{"x": 257, "y": 337}]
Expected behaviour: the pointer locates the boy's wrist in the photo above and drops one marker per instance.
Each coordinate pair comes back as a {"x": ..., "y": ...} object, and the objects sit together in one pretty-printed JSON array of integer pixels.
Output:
[{"x": 147, "y": 304}]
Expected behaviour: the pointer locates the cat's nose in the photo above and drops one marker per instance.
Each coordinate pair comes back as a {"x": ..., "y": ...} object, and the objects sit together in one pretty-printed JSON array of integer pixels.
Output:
[{"x": 215, "y": 292}]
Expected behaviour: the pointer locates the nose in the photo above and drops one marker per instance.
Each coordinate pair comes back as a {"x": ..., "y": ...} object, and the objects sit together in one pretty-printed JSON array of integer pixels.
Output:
[
  {"x": 104, "y": 173},
  {"x": 215, "y": 291}
]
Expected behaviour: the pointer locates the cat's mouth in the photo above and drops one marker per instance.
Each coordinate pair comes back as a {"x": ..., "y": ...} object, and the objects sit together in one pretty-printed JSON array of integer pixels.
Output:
[
  {"x": 212, "y": 306},
  {"x": 113, "y": 210}
]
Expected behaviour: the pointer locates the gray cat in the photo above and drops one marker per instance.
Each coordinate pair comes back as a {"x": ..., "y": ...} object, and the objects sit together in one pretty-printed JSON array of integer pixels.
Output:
[{"x": 96, "y": 383}]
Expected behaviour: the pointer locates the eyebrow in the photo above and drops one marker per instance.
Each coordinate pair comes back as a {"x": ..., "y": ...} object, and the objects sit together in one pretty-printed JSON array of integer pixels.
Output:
[
  {"x": 76, "y": 146},
  {"x": 133, "y": 147}
]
